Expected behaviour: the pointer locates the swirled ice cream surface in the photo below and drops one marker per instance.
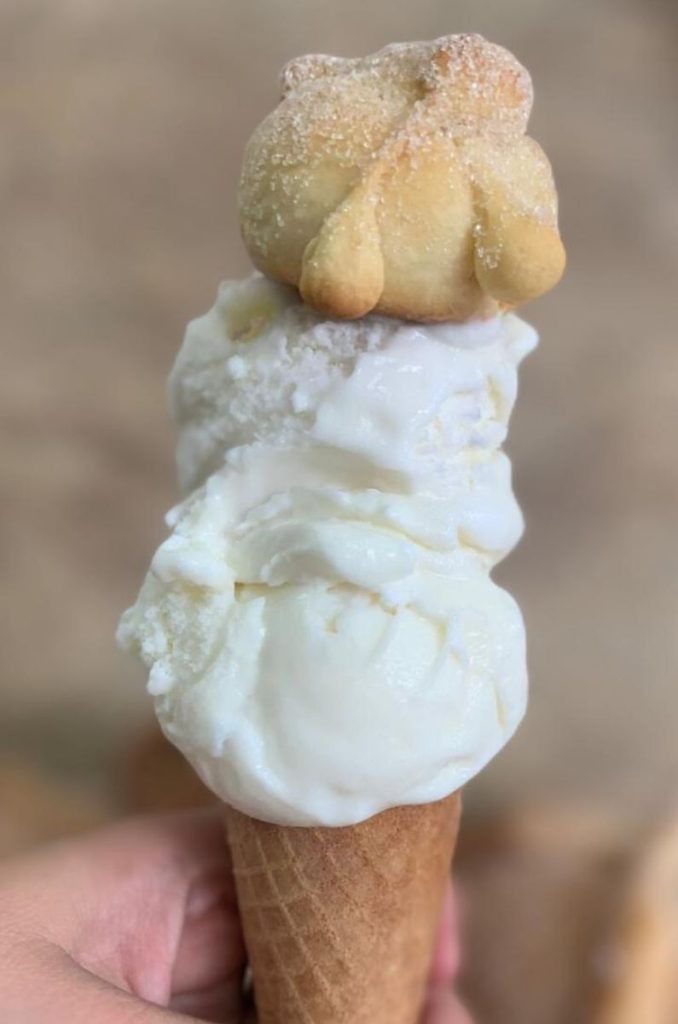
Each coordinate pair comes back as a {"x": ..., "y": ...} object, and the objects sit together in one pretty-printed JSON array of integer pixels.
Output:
[{"x": 322, "y": 634}]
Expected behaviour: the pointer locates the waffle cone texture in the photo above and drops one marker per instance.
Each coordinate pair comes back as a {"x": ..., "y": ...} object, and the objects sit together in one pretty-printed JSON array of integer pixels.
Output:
[{"x": 340, "y": 922}]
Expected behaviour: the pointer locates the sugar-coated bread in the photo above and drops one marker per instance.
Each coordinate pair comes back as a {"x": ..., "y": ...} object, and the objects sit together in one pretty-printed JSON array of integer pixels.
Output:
[{"x": 403, "y": 183}]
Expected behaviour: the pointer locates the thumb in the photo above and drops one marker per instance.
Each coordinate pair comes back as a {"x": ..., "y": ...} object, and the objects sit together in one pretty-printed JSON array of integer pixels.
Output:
[{"x": 73, "y": 995}]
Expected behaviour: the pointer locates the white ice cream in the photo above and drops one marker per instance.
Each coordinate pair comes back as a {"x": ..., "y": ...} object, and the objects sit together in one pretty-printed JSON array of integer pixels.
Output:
[{"x": 323, "y": 637}]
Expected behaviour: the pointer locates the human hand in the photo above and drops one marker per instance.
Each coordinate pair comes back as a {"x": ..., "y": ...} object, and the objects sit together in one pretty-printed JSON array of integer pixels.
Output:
[
  {"x": 442, "y": 1005},
  {"x": 138, "y": 924}
]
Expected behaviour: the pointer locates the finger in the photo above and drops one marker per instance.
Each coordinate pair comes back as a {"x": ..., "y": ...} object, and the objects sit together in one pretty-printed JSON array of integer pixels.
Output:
[
  {"x": 211, "y": 947},
  {"x": 69, "y": 994},
  {"x": 446, "y": 955},
  {"x": 155, "y": 854},
  {"x": 222, "y": 1002},
  {"x": 443, "y": 1007},
  {"x": 157, "y": 872},
  {"x": 117, "y": 902}
]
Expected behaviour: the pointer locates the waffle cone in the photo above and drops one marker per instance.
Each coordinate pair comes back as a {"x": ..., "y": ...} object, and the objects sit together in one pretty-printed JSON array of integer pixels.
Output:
[{"x": 340, "y": 922}]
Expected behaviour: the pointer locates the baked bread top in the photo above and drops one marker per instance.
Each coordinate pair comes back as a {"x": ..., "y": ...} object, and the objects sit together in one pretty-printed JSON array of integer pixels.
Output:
[{"x": 404, "y": 183}]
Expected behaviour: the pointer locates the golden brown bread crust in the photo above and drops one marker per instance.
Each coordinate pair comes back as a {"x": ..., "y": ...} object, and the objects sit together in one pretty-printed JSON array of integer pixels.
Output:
[{"x": 403, "y": 183}]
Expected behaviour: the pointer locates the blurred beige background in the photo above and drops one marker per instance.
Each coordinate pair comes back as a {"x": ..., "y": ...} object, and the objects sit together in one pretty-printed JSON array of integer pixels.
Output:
[{"x": 123, "y": 127}]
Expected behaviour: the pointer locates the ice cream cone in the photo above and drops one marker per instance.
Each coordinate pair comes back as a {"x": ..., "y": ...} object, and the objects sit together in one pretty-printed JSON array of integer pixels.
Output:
[
  {"x": 340, "y": 922},
  {"x": 322, "y": 634}
]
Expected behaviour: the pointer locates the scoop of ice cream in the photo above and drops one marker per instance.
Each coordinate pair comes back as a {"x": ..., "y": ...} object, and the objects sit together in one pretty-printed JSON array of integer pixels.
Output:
[
  {"x": 321, "y": 631},
  {"x": 404, "y": 183}
]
